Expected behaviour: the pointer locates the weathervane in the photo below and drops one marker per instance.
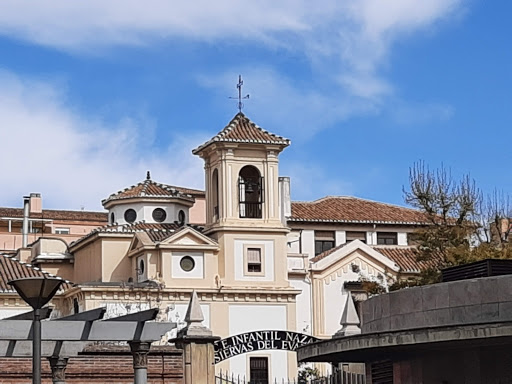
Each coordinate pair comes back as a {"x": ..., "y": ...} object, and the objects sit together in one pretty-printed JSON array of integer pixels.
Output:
[{"x": 240, "y": 98}]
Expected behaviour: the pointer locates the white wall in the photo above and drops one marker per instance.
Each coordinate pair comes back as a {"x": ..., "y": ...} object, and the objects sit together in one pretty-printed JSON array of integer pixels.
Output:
[
  {"x": 145, "y": 212},
  {"x": 308, "y": 242},
  {"x": 196, "y": 273},
  {"x": 402, "y": 238},
  {"x": 341, "y": 238},
  {"x": 268, "y": 247},
  {"x": 371, "y": 238},
  {"x": 293, "y": 239},
  {"x": 247, "y": 318},
  {"x": 304, "y": 312}
]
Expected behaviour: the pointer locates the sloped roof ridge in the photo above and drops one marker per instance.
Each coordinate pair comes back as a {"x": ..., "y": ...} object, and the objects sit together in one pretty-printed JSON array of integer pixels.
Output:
[
  {"x": 355, "y": 198},
  {"x": 37, "y": 269},
  {"x": 174, "y": 190},
  {"x": 234, "y": 123}
]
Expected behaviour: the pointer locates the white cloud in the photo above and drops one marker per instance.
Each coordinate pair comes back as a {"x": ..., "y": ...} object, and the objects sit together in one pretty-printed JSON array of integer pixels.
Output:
[
  {"x": 346, "y": 41},
  {"x": 76, "y": 160}
]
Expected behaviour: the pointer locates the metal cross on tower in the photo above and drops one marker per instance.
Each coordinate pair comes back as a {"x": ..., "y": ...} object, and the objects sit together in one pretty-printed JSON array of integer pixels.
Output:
[{"x": 240, "y": 98}]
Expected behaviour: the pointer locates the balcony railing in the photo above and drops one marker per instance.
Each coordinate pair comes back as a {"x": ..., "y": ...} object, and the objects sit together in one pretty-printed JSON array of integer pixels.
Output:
[{"x": 250, "y": 210}]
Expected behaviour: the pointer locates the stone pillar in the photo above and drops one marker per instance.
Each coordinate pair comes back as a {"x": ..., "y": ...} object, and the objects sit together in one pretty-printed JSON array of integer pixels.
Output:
[
  {"x": 196, "y": 341},
  {"x": 140, "y": 350},
  {"x": 58, "y": 366}
]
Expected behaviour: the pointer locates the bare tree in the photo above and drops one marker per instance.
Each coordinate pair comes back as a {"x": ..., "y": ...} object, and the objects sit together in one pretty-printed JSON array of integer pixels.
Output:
[{"x": 462, "y": 224}]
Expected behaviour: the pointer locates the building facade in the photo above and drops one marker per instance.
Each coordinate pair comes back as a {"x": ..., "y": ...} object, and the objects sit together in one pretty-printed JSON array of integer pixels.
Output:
[{"x": 257, "y": 260}]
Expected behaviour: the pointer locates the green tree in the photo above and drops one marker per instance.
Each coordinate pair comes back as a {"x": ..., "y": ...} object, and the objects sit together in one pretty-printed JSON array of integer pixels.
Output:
[{"x": 462, "y": 225}]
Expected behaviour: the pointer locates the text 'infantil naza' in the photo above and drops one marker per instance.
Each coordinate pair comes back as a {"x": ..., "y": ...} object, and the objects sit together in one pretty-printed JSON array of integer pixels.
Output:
[{"x": 259, "y": 340}]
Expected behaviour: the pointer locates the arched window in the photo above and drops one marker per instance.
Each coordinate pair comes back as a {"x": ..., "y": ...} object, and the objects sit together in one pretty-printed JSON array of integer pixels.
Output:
[
  {"x": 250, "y": 190},
  {"x": 215, "y": 194}
]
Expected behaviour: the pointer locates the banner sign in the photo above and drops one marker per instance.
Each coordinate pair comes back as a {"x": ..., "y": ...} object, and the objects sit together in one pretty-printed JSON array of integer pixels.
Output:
[{"x": 259, "y": 340}]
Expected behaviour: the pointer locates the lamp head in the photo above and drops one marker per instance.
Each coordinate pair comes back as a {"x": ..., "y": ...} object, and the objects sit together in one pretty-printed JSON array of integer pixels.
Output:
[{"x": 36, "y": 291}]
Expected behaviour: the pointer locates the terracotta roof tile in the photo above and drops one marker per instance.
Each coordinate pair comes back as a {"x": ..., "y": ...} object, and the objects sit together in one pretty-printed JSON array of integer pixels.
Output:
[
  {"x": 150, "y": 188},
  {"x": 242, "y": 130},
  {"x": 57, "y": 215},
  {"x": 407, "y": 259},
  {"x": 326, "y": 253},
  {"x": 346, "y": 209},
  {"x": 11, "y": 268},
  {"x": 156, "y": 232}
]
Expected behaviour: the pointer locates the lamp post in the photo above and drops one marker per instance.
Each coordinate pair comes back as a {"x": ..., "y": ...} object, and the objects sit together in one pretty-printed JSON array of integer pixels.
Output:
[{"x": 36, "y": 292}]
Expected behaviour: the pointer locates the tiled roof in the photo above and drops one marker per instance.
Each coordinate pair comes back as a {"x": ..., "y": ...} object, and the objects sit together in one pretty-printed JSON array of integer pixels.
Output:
[
  {"x": 156, "y": 232},
  {"x": 150, "y": 188},
  {"x": 346, "y": 209},
  {"x": 243, "y": 130},
  {"x": 326, "y": 253},
  {"x": 407, "y": 259},
  {"x": 11, "y": 268},
  {"x": 57, "y": 215}
]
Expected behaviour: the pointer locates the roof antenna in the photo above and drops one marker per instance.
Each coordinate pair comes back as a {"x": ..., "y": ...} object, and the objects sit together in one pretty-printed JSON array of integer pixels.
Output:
[
  {"x": 148, "y": 175},
  {"x": 240, "y": 98}
]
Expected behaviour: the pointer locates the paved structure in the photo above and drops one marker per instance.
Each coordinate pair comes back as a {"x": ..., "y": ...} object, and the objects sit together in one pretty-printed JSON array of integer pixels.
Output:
[{"x": 457, "y": 332}]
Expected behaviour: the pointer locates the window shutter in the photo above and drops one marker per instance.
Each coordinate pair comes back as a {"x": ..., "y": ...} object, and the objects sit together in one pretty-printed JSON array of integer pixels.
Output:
[{"x": 254, "y": 256}]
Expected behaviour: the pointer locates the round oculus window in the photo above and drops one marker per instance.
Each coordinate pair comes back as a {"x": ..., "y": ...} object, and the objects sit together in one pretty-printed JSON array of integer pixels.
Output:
[
  {"x": 181, "y": 217},
  {"x": 130, "y": 215},
  {"x": 187, "y": 263},
  {"x": 159, "y": 215}
]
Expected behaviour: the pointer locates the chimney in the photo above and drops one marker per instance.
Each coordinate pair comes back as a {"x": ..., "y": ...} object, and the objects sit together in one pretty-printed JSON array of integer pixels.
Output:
[
  {"x": 284, "y": 199},
  {"x": 24, "y": 231},
  {"x": 35, "y": 203}
]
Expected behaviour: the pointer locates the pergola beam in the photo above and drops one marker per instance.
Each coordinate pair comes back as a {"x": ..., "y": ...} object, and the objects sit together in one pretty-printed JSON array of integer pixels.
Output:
[
  {"x": 44, "y": 314},
  {"x": 65, "y": 330},
  {"x": 15, "y": 348},
  {"x": 92, "y": 315}
]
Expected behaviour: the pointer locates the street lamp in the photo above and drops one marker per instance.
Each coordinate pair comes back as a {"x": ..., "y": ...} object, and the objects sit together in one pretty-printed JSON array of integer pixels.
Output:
[{"x": 36, "y": 291}]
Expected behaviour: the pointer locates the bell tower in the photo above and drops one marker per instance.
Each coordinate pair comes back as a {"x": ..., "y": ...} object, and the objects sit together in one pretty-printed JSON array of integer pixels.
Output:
[
  {"x": 242, "y": 200},
  {"x": 242, "y": 176}
]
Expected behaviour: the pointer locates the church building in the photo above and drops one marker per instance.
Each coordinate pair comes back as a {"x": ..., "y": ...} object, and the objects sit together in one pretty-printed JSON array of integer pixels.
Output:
[{"x": 257, "y": 260}]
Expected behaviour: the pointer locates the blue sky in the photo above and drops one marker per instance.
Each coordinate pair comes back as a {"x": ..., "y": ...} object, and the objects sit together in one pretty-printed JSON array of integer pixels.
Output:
[{"x": 99, "y": 92}]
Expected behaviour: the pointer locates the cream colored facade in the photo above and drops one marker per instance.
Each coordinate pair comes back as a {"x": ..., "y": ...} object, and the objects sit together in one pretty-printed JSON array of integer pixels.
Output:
[{"x": 253, "y": 263}]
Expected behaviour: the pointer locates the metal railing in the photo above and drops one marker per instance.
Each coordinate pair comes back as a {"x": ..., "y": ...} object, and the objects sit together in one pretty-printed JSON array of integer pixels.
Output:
[{"x": 341, "y": 377}]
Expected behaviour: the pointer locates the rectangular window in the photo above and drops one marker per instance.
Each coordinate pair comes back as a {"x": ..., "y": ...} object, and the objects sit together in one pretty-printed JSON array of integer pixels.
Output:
[
  {"x": 387, "y": 238},
  {"x": 258, "y": 373},
  {"x": 353, "y": 235},
  {"x": 62, "y": 231},
  {"x": 254, "y": 260},
  {"x": 324, "y": 240}
]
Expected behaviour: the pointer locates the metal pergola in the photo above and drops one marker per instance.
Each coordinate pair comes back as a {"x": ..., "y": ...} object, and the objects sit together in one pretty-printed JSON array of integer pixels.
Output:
[{"x": 66, "y": 337}]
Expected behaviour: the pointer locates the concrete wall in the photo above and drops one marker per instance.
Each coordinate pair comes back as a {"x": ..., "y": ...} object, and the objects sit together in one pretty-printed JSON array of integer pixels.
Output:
[{"x": 472, "y": 301}]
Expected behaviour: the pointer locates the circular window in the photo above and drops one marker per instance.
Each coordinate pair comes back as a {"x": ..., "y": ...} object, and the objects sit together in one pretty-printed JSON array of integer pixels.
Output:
[
  {"x": 181, "y": 217},
  {"x": 112, "y": 218},
  {"x": 159, "y": 215},
  {"x": 141, "y": 267},
  {"x": 187, "y": 263},
  {"x": 130, "y": 215}
]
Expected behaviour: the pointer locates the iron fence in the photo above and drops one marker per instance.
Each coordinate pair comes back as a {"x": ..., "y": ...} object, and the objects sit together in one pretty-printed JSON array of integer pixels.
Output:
[{"x": 340, "y": 377}]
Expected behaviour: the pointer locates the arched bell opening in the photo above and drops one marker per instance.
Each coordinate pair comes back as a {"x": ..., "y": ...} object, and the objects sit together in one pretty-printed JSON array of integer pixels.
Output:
[
  {"x": 215, "y": 194},
  {"x": 251, "y": 192}
]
